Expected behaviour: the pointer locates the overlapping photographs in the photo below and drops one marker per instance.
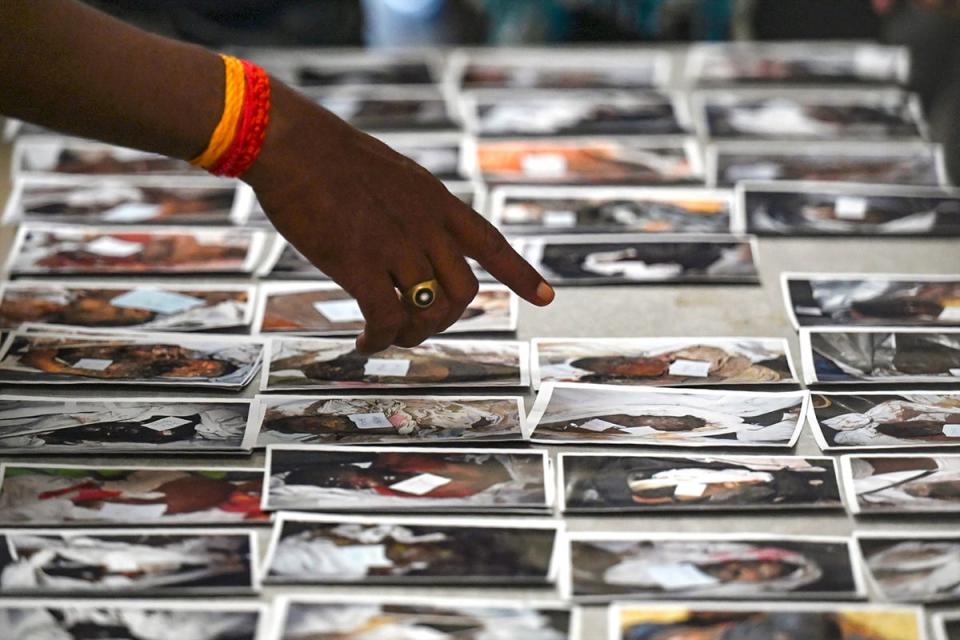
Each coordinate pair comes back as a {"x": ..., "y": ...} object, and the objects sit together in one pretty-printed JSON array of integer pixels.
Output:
[
  {"x": 437, "y": 152},
  {"x": 912, "y": 567},
  {"x": 798, "y": 62},
  {"x": 916, "y": 163},
  {"x": 946, "y": 626},
  {"x": 129, "y": 305},
  {"x": 809, "y": 621},
  {"x": 871, "y": 299},
  {"x": 897, "y": 484},
  {"x": 41, "y": 249},
  {"x": 51, "y": 154},
  {"x": 574, "y": 114},
  {"x": 352, "y": 68},
  {"x": 80, "y": 425},
  {"x": 840, "y": 355},
  {"x": 547, "y": 210},
  {"x": 511, "y": 69},
  {"x": 169, "y": 359},
  {"x": 379, "y": 420},
  {"x": 885, "y": 420},
  {"x": 342, "y": 618},
  {"x": 329, "y": 363},
  {"x": 566, "y": 413},
  {"x": 663, "y": 361},
  {"x": 412, "y": 479},
  {"x": 58, "y": 495},
  {"x": 646, "y": 258},
  {"x": 636, "y": 482},
  {"x": 388, "y": 110},
  {"x": 811, "y": 208},
  {"x": 627, "y": 160},
  {"x": 477, "y": 552},
  {"x": 132, "y": 619},
  {"x": 57, "y": 562},
  {"x": 324, "y": 309},
  {"x": 815, "y": 114},
  {"x": 130, "y": 200},
  {"x": 609, "y": 566}
]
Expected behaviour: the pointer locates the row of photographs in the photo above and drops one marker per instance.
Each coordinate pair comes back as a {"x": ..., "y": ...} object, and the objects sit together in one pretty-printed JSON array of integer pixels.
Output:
[
  {"x": 40, "y": 354},
  {"x": 304, "y": 617},
  {"x": 857, "y": 421},
  {"x": 596, "y": 160},
  {"x": 636, "y": 68},
  {"x": 762, "y": 208},
  {"x": 508, "y": 481},
  {"x": 312, "y": 550}
]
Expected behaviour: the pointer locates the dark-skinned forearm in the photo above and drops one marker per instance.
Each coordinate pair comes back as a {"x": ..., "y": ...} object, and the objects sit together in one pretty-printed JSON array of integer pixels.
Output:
[{"x": 69, "y": 67}]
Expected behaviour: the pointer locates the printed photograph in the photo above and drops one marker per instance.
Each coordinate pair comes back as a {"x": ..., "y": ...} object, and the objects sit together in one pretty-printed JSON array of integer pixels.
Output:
[
  {"x": 130, "y": 200},
  {"x": 371, "y": 420},
  {"x": 807, "y": 208},
  {"x": 790, "y": 63},
  {"x": 611, "y": 566},
  {"x": 901, "y": 484},
  {"x": 126, "y": 305},
  {"x": 886, "y": 420},
  {"x": 395, "y": 110},
  {"x": 304, "y": 67},
  {"x": 786, "y": 621},
  {"x": 416, "y": 551},
  {"x": 58, "y": 495},
  {"x": 53, "y": 154},
  {"x": 334, "y": 364},
  {"x": 324, "y": 309},
  {"x": 50, "y": 357},
  {"x": 834, "y": 161},
  {"x": 912, "y": 568},
  {"x": 306, "y": 618},
  {"x": 573, "y": 114},
  {"x": 946, "y": 626},
  {"x": 126, "y": 562},
  {"x": 131, "y": 620},
  {"x": 864, "y": 355},
  {"x": 854, "y": 300},
  {"x": 836, "y": 114},
  {"x": 612, "y": 160},
  {"x": 663, "y": 361},
  {"x": 66, "y": 250},
  {"x": 614, "y": 414},
  {"x": 652, "y": 258},
  {"x": 547, "y": 210},
  {"x": 407, "y": 479},
  {"x": 640, "y": 483}
]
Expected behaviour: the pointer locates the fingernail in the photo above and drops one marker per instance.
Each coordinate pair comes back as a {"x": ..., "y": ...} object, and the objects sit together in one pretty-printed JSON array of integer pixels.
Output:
[{"x": 545, "y": 293}]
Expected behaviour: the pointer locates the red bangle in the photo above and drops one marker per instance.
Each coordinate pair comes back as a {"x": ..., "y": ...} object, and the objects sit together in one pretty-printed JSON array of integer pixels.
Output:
[{"x": 251, "y": 127}]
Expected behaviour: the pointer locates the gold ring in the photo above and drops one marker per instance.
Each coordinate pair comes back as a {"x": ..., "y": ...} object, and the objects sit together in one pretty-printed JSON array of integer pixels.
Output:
[{"x": 423, "y": 294}]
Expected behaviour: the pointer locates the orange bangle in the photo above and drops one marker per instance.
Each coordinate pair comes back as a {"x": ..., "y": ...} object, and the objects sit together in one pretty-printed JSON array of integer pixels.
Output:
[{"x": 233, "y": 99}]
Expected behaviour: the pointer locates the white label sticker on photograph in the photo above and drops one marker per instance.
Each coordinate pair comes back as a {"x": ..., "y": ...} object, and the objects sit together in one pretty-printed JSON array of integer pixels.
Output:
[
  {"x": 113, "y": 247},
  {"x": 848, "y": 208},
  {"x": 692, "y": 368},
  {"x": 559, "y": 219},
  {"x": 370, "y": 421},
  {"x": 679, "y": 576},
  {"x": 386, "y": 367},
  {"x": 339, "y": 310},
  {"x": 598, "y": 425},
  {"x": 156, "y": 300},
  {"x": 163, "y": 424},
  {"x": 120, "y": 562},
  {"x": 951, "y": 430},
  {"x": 134, "y": 513},
  {"x": 950, "y": 314},
  {"x": 131, "y": 212},
  {"x": 544, "y": 165},
  {"x": 364, "y": 555},
  {"x": 689, "y": 489},
  {"x": 92, "y": 364},
  {"x": 809, "y": 311},
  {"x": 421, "y": 484}
]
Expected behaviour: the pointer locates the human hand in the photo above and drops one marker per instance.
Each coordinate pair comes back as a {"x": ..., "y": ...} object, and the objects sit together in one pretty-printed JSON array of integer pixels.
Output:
[{"x": 375, "y": 222}]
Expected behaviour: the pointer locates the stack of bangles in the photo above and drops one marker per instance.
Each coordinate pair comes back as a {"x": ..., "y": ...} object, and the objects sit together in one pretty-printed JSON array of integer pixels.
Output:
[{"x": 238, "y": 137}]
